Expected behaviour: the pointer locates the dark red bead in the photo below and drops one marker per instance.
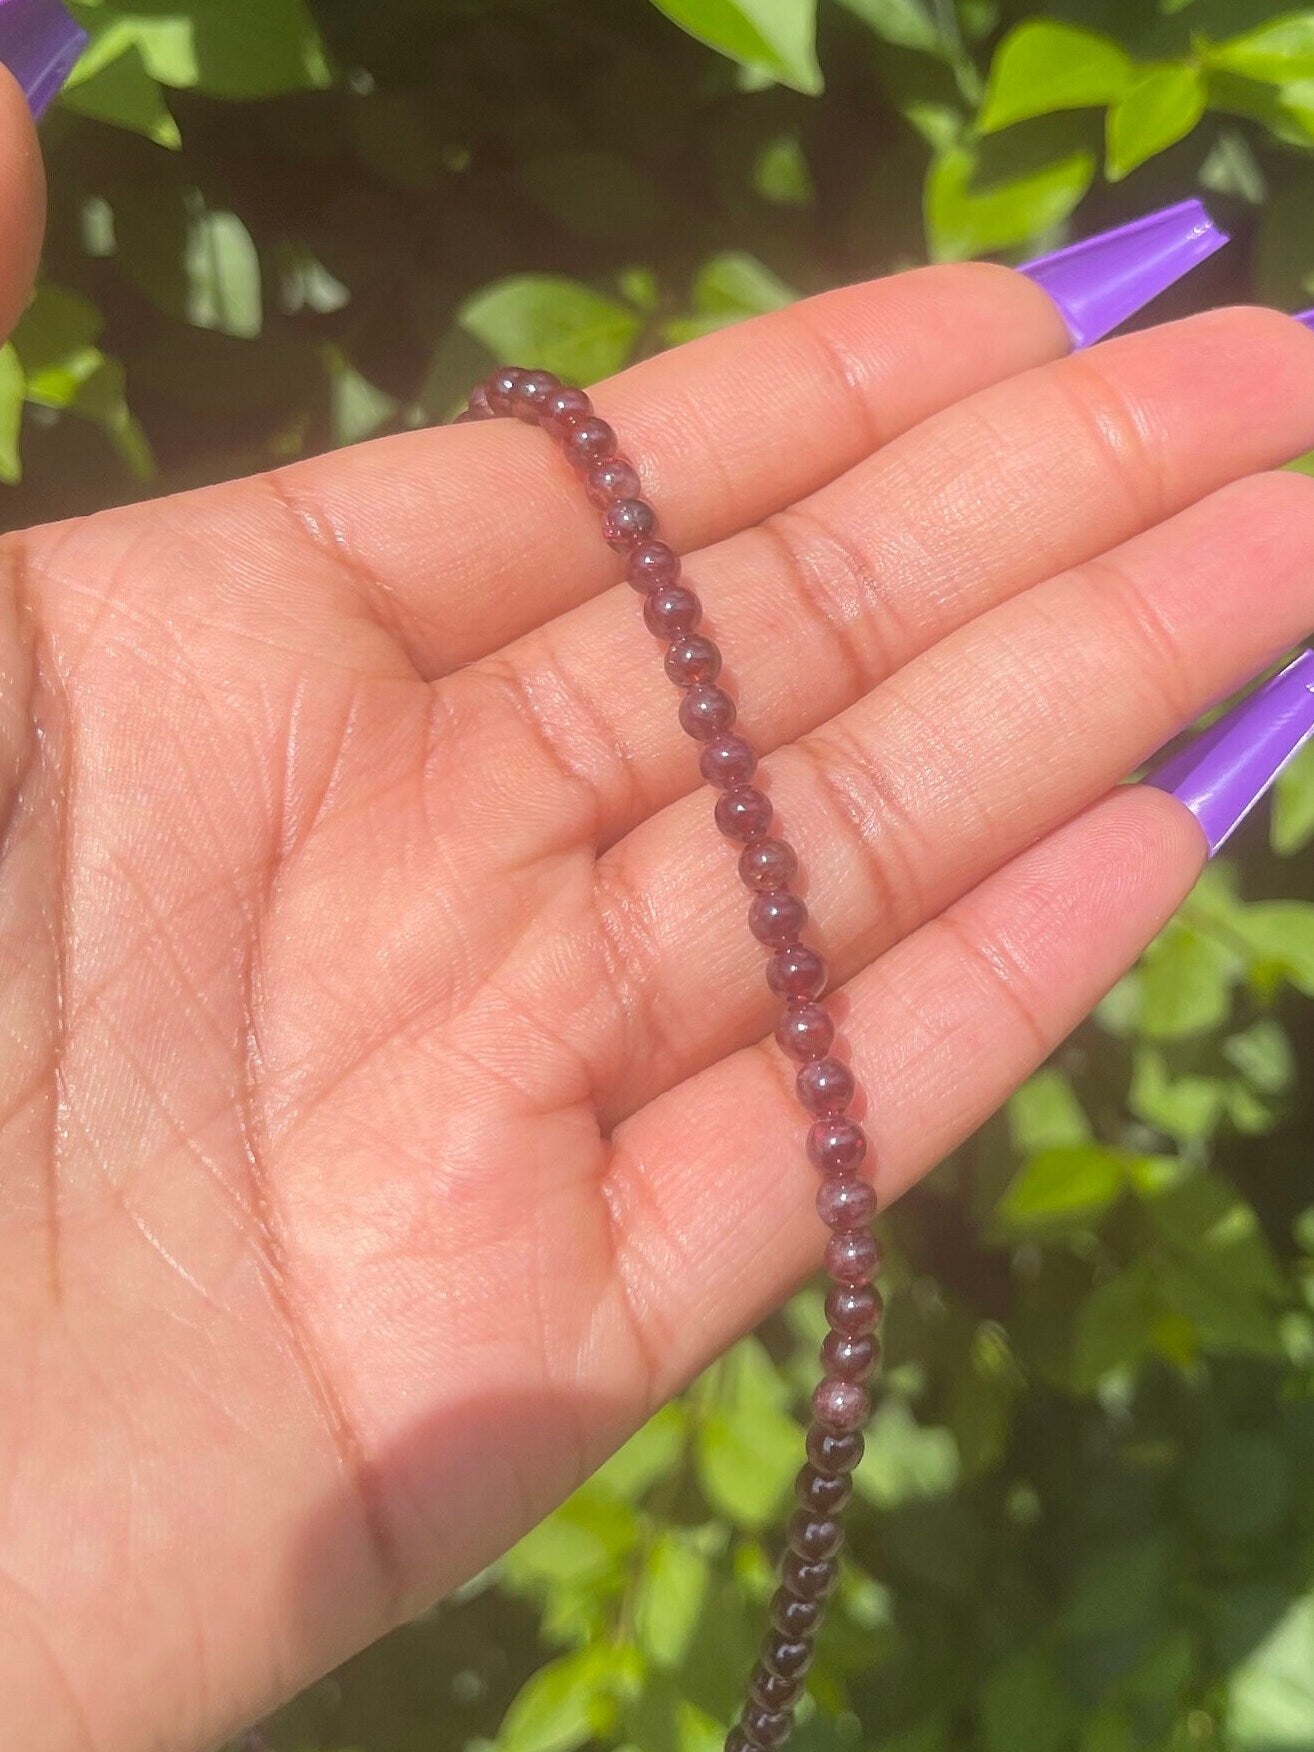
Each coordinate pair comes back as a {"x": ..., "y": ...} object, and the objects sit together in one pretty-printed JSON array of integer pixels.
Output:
[
  {"x": 790, "y": 1656},
  {"x": 854, "y": 1308},
  {"x": 706, "y": 712},
  {"x": 809, "y": 1578},
  {"x": 693, "y": 660},
  {"x": 651, "y": 564},
  {"x": 766, "y": 1728},
  {"x": 832, "y": 1452},
  {"x": 729, "y": 761},
  {"x": 671, "y": 610},
  {"x": 770, "y": 1691},
  {"x": 814, "y": 1536},
  {"x": 846, "y": 1202},
  {"x": 836, "y": 1146},
  {"x": 768, "y": 863},
  {"x": 479, "y": 407},
  {"x": 796, "y": 972},
  {"x": 612, "y": 479},
  {"x": 854, "y": 1257},
  {"x": 586, "y": 441},
  {"x": 823, "y": 1493},
  {"x": 500, "y": 387},
  {"x": 529, "y": 397},
  {"x": 562, "y": 408},
  {"x": 793, "y": 1617},
  {"x": 744, "y": 813},
  {"x": 737, "y": 1741},
  {"x": 777, "y": 917},
  {"x": 805, "y": 1031},
  {"x": 851, "y": 1358},
  {"x": 841, "y": 1405},
  {"x": 826, "y": 1086},
  {"x": 628, "y": 522}
]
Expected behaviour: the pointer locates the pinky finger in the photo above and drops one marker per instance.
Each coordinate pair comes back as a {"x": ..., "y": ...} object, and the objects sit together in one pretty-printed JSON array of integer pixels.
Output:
[{"x": 710, "y": 1191}]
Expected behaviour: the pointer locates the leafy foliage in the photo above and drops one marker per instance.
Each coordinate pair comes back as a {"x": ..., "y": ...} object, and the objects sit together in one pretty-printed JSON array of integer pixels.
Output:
[{"x": 1086, "y": 1516}]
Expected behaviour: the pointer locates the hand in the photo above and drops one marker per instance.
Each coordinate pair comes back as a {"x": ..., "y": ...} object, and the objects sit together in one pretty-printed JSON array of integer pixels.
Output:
[{"x": 385, "y": 1121}]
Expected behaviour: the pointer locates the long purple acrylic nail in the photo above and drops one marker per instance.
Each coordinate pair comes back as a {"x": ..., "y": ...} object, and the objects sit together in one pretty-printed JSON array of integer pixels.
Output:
[
  {"x": 1224, "y": 772},
  {"x": 39, "y": 43},
  {"x": 1307, "y": 317},
  {"x": 1101, "y": 281}
]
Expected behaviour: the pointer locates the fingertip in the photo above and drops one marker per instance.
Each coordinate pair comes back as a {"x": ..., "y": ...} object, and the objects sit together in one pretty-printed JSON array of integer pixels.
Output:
[{"x": 22, "y": 201}]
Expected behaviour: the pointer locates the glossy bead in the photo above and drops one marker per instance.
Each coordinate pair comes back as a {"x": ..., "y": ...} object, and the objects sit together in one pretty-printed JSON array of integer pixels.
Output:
[
  {"x": 744, "y": 813},
  {"x": 768, "y": 863},
  {"x": 792, "y": 1617},
  {"x": 586, "y": 441},
  {"x": 808, "y": 1578},
  {"x": 628, "y": 522},
  {"x": 796, "y": 972},
  {"x": 854, "y": 1308},
  {"x": 766, "y": 1728},
  {"x": 832, "y": 1452},
  {"x": 479, "y": 407},
  {"x": 500, "y": 387},
  {"x": 609, "y": 480},
  {"x": 650, "y": 564},
  {"x": 841, "y": 1405},
  {"x": 823, "y": 1493},
  {"x": 805, "y": 1031},
  {"x": 851, "y": 1358},
  {"x": 671, "y": 610},
  {"x": 854, "y": 1257},
  {"x": 790, "y": 1656},
  {"x": 814, "y": 1536},
  {"x": 562, "y": 408},
  {"x": 706, "y": 712},
  {"x": 777, "y": 917},
  {"x": 770, "y": 1691},
  {"x": 529, "y": 397},
  {"x": 727, "y": 762},
  {"x": 737, "y": 1741},
  {"x": 836, "y": 1146},
  {"x": 846, "y": 1202},
  {"x": 692, "y": 661},
  {"x": 825, "y": 1087}
]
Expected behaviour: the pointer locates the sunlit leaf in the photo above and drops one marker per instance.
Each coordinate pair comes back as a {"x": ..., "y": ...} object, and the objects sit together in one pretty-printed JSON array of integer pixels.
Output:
[
  {"x": 1043, "y": 66},
  {"x": 776, "y": 37},
  {"x": 1158, "y": 109}
]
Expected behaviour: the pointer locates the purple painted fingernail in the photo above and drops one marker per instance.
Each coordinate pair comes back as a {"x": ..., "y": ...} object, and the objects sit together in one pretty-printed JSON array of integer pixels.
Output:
[
  {"x": 1307, "y": 317},
  {"x": 1101, "y": 281},
  {"x": 1224, "y": 773},
  {"x": 39, "y": 43}
]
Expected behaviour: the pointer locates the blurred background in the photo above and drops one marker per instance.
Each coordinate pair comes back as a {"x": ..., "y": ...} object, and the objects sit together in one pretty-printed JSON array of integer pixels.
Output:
[{"x": 1086, "y": 1515}]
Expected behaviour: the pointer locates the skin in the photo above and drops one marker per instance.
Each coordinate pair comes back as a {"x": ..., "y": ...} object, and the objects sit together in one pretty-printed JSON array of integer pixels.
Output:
[{"x": 386, "y": 1123}]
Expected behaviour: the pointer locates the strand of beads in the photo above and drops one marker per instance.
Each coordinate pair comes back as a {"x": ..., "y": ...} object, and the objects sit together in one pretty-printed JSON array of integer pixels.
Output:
[{"x": 836, "y": 1144}]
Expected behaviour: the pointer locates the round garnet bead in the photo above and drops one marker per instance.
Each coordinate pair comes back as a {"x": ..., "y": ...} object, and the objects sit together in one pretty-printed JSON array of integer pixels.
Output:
[
  {"x": 743, "y": 813},
  {"x": 768, "y": 863},
  {"x": 766, "y": 1728},
  {"x": 796, "y": 972},
  {"x": 706, "y": 712},
  {"x": 805, "y": 1031},
  {"x": 836, "y": 1146},
  {"x": 833, "y": 1451},
  {"x": 562, "y": 408},
  {"x": 693, "y": 660},
  {"x": 587, "y": 440},
  {"x": 728, "y": 761},
  {"x": 609, "y": 480},
  {"x": 851, "y": 1358},
  {"x": 846, "y": 1202},
  {"x": 671, "y": 610},
  {"x": 501, "y": 386},
  {"x": 810, "y": 1579},
  {"x": 628, "y": 522},
  {"x": 854, "y": 1308},
  {"x": 814, "y": 1536},
  {"x": 823, "y": 1493},
  {"x": 853, "y": 1257},
  {"x": 652, "y": 563},
  {"x": 777, "y": 917},
  {"x": 770, "y": 1691},
  {"x": 825, "y": 1087},
  {"x": 841, "y": 1405},
  {"x": 529, "y": 397},
  {"x": 793, "y": 1617}
]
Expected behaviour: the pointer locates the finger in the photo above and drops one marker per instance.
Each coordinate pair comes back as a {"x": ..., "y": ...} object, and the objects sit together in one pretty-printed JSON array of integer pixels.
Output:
[
  {"x": 22, "y": 202},
  {"x": 466, "y": 537},
  {"x": 973, "y": 506},
  {"x": 709, "y": 1190},
  {"x": 995, "y": 736}
]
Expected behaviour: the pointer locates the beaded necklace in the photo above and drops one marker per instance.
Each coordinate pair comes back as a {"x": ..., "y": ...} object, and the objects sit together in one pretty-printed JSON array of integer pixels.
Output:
[{"x": 836, "y": 1144}]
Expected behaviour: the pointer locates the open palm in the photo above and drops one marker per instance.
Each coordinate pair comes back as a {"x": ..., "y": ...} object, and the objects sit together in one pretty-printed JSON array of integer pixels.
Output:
[{"x": 385, "y": 1121}]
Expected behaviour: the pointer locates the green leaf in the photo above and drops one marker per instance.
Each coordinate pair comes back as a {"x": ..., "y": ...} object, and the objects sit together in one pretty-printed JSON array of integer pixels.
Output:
[
  {"x": 1185, "y": 985},
  {"x": 973, "y": 209},
  {"x": 1115, "y": 1326},
  {"x": 1043, "y": 66},
  {"x": 1062, "y": 1187},
  {"x": 781, "y": 173},
  {"x": 1276, "y": 52},
  {"x": 568, "y": 1702},
  {"x": 1162, "y": 107},
  {"x": 1281, "y": 933},
  {"x": 651, "y": 1454},
  {"x": 746, "y": 1448},
  {"x": 905, "y": 1460},
  {"x": 1263, "y": 1055},
  {"x": 223, "y": 276},
  {"x": 774, "y": 37},
  {"x": 1045, "y": 1114},
  {"x": 910, "y": 24},
  {"x": 557, "y": 324},
  {"x": 670, "y": 1595},
  {"x": 1271, "y": 1690},
  {"x": 13, "y": 387},
  {"x": 123, "y": 92},
  {"x": 596, "y": 195},
  {"x": 729, "y": 288},
  {"x": 229, "y": 48},
  {"x": 1023, "y": 1703},
  {"x": 1188, "y": 1107},
  {"x": 1293, "y": 805}
]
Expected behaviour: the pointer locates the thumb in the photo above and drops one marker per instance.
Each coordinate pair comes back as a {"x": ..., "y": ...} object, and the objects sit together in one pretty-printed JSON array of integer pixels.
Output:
[{"x": 39, "y": 43}]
